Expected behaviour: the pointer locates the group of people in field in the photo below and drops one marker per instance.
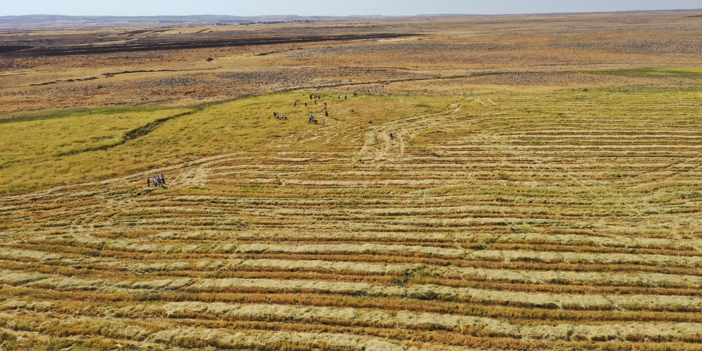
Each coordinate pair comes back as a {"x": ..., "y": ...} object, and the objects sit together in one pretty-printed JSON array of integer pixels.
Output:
[
  {"x": 311, "y": 119},
  {"x": 157, "y": 181}
]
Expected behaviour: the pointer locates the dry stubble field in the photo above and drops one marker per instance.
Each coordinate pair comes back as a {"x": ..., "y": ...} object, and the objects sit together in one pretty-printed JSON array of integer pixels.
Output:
[{"x": 527, "y": 183}]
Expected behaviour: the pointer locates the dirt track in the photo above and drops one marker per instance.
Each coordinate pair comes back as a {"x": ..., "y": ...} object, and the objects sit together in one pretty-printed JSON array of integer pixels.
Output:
[{"x": 190, "y": 44}]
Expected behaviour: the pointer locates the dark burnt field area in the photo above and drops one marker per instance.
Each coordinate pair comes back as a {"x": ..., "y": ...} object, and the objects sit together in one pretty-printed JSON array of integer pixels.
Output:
[
  {"x": 95, "y": 41},
  {"x": 187, "y": 43}
]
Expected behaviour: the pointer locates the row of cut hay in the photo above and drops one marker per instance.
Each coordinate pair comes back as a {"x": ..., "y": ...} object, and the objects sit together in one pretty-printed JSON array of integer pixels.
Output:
[
  {"x": 550, "y": 283},
  {"x": 532, "y": 143},
  {"x": 483, "y": 203},
  {"x": 432, "y": 202},
  {"x": 252, "y": 336},
  {"x": 470, "y": 156},
  {"x": 469, "y": 167},
  {"x": 520, "y": 171},
  {"x": 555, "y": 238},
  {"x": 206, "y": 266},
  {"x": 508, "y": 246},
  {"x": 511, "y": 265},
  {"x": 118, "y": 248},
  {"x": 506, "y": 275},
  {"x": 577, "y": 257},
  {"x": 466, "y": 325},
  {"x": 489, "y": 255},
  {"x": 567, "y": 301},
  {"x": 519, "y": 242},
  {"x": 100, "y": 303},
  {"x": 350, "y": 248},
  {"x": 484, "y": 326}
]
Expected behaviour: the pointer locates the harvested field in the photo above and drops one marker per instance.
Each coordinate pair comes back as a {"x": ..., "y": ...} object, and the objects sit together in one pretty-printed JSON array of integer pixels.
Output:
[{"x": 495, "y": 206}]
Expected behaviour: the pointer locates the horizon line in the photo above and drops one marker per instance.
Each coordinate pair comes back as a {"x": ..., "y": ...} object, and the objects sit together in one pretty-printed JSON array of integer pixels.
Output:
[{"x": 367, "y": 15}]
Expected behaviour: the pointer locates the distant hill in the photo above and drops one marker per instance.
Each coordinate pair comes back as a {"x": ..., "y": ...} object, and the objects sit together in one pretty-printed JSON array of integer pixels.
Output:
[
  {"x": 57, "y": 21},
  {"x": 30, "y": 22}
]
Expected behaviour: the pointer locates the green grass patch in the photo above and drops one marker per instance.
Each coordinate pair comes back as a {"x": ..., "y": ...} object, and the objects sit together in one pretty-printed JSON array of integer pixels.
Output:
[
  {"x": 653, "y": 72},
  {"x": 65, "y": 147},
  {"x": 41, "y": 151},
  {"x": 54, "y": 114},
  {"x": 89, "y": 146}
]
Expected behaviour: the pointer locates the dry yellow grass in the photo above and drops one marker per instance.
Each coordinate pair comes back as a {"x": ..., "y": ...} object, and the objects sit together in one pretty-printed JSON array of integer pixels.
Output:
[{"x": 522, "y": 186}]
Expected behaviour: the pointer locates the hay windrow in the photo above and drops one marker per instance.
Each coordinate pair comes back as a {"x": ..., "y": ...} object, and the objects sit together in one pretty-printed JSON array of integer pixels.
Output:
[
  {"x": 571, "y": 257},
  {"x": 242, "y": 340},
  {"x": 365, "y": 248}
]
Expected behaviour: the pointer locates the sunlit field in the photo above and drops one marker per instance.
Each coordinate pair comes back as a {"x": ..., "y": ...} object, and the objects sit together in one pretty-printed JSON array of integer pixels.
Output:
[{"x": 443, "y": 206}]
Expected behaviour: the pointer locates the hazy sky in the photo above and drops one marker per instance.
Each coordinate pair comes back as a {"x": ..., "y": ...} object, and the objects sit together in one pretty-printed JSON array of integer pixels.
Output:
[{"x": 327, "y": 7}]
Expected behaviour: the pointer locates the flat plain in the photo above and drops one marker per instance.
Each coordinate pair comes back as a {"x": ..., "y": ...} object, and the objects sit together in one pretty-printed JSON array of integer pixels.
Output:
[{"x": 472, "y": 183}]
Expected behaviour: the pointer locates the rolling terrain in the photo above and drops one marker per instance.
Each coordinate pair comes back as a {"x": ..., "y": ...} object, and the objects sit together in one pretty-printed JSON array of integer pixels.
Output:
[{"x": 469, "y": 195}]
